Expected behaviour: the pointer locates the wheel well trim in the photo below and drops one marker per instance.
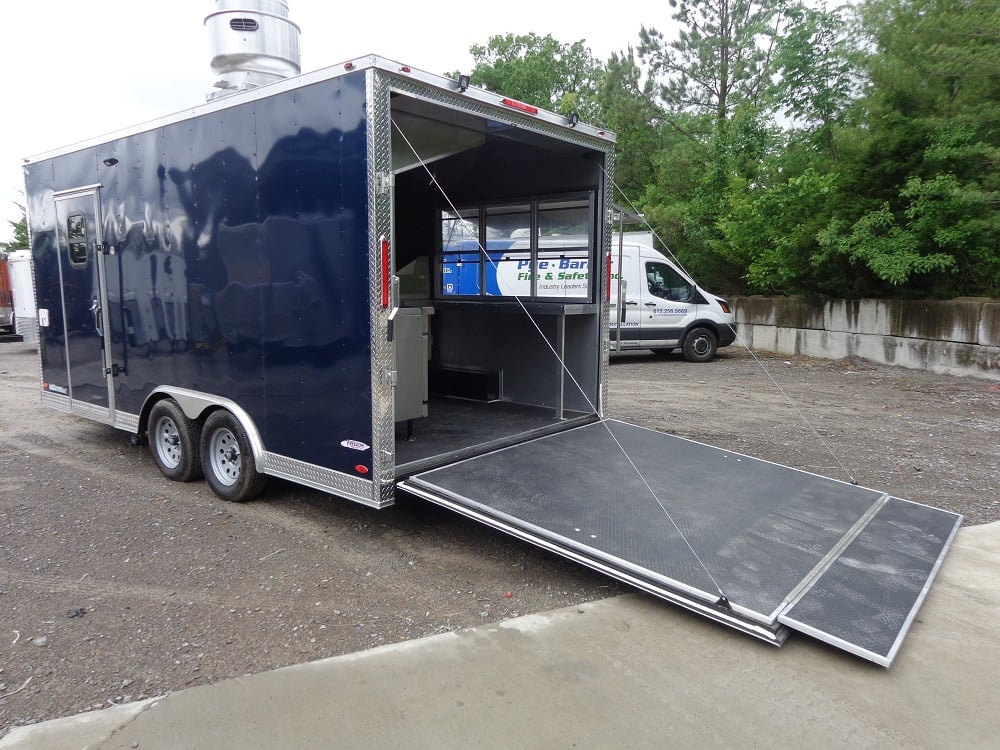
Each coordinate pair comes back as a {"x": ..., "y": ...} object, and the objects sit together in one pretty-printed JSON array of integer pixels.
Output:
[
  {"x": 710, "y": 324},
  {"x": 196, "y": 405}
]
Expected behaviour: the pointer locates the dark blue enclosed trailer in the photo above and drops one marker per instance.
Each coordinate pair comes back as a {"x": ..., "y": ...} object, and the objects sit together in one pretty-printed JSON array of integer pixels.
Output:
[{"x": 292, "y": 281}]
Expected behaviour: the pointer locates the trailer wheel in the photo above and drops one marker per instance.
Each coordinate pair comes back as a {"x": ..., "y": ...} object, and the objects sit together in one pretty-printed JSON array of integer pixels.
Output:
[
  {"x": 700, "y": 345},
  {"x": 174, "y": 441},
  {"x": 227, "y": 459}
]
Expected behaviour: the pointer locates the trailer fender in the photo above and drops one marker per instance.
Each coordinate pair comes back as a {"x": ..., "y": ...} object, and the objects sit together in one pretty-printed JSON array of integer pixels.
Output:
[{"x": 196, "y": 405}]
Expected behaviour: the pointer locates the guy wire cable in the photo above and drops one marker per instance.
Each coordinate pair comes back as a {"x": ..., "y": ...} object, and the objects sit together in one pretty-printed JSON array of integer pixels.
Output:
[
  {"x": 745, "y": 345},
  {"x": 723, "y": 599}
]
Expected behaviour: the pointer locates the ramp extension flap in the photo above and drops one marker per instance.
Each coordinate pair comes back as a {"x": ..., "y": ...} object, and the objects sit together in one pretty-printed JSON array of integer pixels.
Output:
[{"x": 786, "y": 548}]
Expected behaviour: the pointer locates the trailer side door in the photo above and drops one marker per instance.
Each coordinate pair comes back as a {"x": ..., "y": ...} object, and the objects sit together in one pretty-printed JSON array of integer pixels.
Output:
[{"x": 84, "y": 292}]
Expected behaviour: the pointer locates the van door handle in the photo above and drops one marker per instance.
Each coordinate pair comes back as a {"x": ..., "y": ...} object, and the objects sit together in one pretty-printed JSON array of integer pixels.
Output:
[
  {"x": 652, "y": 304},
  {"x": 631, "y": 302}
]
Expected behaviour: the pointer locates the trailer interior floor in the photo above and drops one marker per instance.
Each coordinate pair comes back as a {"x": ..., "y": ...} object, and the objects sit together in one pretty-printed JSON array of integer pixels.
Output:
[{"x": 457, "y": 428}]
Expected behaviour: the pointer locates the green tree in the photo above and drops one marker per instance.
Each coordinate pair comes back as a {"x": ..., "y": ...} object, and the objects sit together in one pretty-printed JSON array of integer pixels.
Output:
[
  {"x": 540, "y": 71},
  {"x": 20, "y": 229},
  {"x": 924, "y": 158},
  {"x": 627, "y": 105},
  {"x": 722, "y": 58}
]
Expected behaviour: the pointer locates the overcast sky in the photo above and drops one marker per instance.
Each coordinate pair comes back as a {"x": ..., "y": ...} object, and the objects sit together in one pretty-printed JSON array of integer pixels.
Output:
[{"x": 140, "y": 60}]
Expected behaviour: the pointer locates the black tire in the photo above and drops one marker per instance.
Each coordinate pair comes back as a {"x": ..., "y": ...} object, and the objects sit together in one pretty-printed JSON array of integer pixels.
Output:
[
  {"x": 700, "y": 345},
  {"x": 174, "y": 441},
  {"x": 227, "y": 459}
]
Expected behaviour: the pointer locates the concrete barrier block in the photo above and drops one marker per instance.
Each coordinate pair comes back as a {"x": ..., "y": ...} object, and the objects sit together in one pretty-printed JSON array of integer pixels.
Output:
[
  {"x": 938, "y": 320},
  {"x": 755, "y": 310},
  {"x": 786, "y": 341},
  {"x": 989, "y": 324},
  {"x": 759, "y": 337},
  {"x": 799, "y": 312},
  {"x": 951, "y": 358},
  {"x": 892, "y": 350},
  {"x": 824, "y": 344},
  {"x": 869, "y": 316}
]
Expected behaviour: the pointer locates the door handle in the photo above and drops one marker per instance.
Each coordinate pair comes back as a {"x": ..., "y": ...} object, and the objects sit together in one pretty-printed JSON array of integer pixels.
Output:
[
  {"x": 651, "y": 304},
  {"x": 95, "y": 308},
  {"x": 631, "y": 302}
]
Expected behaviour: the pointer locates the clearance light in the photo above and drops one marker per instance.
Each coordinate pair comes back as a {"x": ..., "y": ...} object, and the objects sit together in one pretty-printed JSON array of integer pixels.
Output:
[
  {"x": 405, "y": 69},
  {"x": 521, "y": 106},
  {"x": 361, "y": 469},
  {"x": 349, "y": 66}
]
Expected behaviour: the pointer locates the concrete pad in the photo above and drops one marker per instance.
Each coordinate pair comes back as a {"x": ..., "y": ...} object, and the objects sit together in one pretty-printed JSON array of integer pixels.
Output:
[{"x": 629, "y": 672}]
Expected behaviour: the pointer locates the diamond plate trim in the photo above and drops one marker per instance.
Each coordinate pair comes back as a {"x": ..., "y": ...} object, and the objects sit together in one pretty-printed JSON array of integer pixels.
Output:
[
  {"x": 126, "y": 421},
  {"x": 379, "y": 225},
  {"x": 605, "y": 321},
  {"x": 320, "y": 478},
  {"x": 89, "y": 411},
  {"x": 57, "y": 401}
]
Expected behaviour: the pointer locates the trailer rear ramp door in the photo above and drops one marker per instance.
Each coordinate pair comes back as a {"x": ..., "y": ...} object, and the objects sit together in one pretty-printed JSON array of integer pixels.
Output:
[{"x": 757, "y": 546}]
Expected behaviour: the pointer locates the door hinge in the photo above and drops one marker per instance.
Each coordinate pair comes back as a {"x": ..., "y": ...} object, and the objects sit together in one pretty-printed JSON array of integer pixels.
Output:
[
  {"x": 389, "y": 377},
  {"x": 116, "y": 370},
  {"x": 386, "y": 181}
]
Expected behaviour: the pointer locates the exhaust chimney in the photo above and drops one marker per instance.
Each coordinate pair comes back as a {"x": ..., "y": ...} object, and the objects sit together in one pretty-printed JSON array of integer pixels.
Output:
[{"x": 252, "y": 43}]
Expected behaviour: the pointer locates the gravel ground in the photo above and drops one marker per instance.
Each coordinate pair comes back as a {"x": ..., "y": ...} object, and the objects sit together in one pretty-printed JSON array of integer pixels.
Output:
[{"x": 117, "y": 584}]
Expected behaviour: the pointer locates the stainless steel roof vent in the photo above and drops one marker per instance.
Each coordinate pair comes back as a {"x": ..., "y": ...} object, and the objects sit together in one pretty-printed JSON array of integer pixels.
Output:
[{"x": 252, "y": 43}]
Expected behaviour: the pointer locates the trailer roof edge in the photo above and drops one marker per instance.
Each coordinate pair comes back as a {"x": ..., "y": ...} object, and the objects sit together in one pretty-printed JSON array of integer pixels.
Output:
[{"x": 347, "y": 67}]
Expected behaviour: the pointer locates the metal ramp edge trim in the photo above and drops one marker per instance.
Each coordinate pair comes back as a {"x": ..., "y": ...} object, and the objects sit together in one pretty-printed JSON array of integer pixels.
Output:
[
  {"x": 774, "y": 635},
  {"x": 882, "y": 659}
]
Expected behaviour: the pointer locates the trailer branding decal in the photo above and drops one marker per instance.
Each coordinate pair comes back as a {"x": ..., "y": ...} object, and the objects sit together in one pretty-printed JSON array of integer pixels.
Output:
[{"x": 355, "y": 445}]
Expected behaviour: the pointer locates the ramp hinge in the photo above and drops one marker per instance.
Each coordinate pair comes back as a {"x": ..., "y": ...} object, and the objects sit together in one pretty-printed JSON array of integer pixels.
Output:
[
  {"x": 723, "y": 602},
  {"x": 386, "y": 181}
]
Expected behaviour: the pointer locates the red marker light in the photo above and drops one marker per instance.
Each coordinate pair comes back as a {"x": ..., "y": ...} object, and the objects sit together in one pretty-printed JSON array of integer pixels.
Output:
[
  {"x": 405, "y": 69},
  {"x": 385, "y": 272},
  {"x": 514, "y": 104},
  {"x": 348, "y": 66},
  {"x": 361, "y": 469}
]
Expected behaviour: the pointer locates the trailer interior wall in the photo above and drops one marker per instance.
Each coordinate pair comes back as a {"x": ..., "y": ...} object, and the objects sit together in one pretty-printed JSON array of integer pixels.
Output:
[{"x": 496, "y": 163}]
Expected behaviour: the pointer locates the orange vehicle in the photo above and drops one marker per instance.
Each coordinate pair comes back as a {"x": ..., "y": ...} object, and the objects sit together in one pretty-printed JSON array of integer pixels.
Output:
[{"x": 6, "y": 298}]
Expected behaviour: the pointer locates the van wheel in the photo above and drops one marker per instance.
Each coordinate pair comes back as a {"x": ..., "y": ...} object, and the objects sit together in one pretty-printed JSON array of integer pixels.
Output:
[
  {"x": 700, "y": 345},
  {"x": 174, "y": 441},
  {"x": 227, "y": 459}
]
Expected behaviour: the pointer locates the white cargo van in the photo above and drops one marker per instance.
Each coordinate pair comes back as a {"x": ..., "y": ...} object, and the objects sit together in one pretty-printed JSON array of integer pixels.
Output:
[{"x": 664, "y": 309}]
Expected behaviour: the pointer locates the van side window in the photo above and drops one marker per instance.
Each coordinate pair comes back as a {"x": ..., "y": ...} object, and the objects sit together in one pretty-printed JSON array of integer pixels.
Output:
[{"x": 664, "y": 282}]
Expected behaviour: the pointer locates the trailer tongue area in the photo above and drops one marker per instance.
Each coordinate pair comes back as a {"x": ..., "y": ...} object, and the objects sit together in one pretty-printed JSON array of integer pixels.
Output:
[{"x": 759, "y": 547}]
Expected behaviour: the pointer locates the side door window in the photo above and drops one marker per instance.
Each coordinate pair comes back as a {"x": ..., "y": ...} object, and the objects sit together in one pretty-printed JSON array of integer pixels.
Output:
[{"x": 665, "y": 283}]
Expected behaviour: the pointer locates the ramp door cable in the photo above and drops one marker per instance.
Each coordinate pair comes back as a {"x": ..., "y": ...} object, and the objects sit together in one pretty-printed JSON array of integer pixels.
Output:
[
  {"x": 723, "y": 600},
  {"x": 742, "y": 342}
]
